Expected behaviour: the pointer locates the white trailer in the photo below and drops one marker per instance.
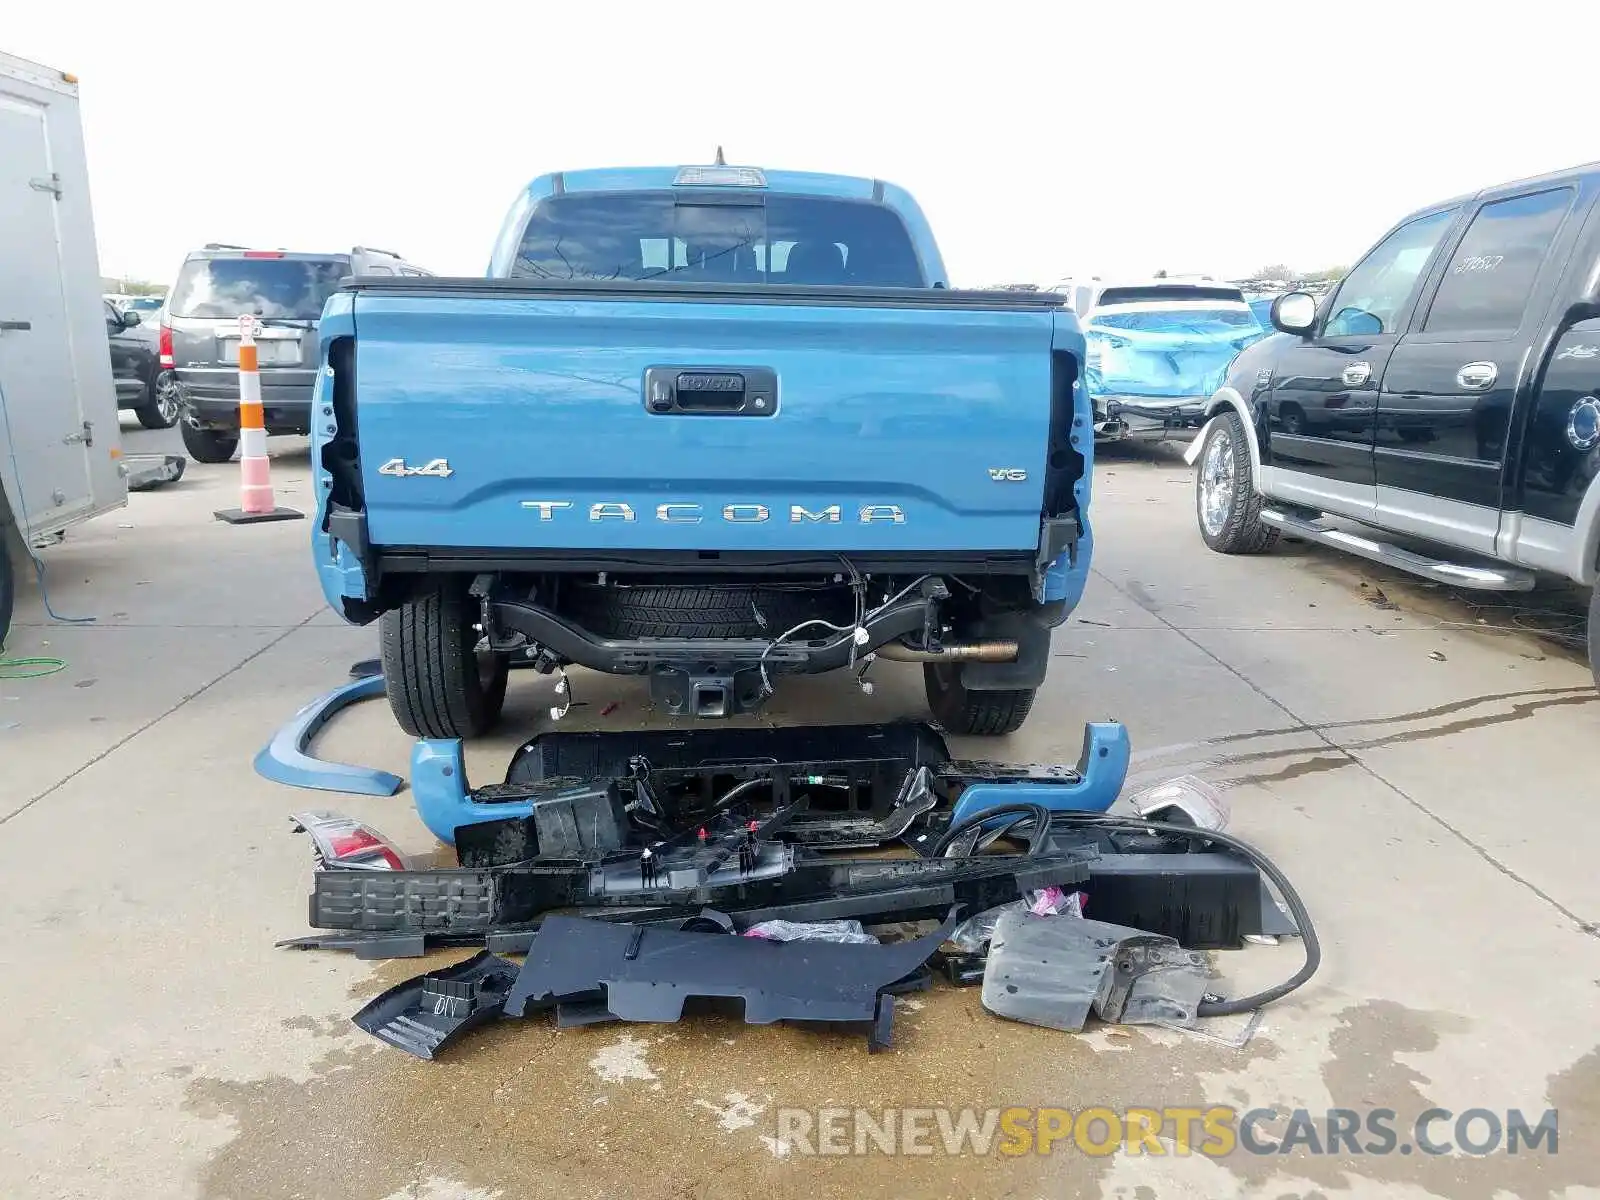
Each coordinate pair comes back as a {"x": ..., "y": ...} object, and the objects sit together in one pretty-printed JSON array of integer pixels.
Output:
[{"x": 60, "y": 444}]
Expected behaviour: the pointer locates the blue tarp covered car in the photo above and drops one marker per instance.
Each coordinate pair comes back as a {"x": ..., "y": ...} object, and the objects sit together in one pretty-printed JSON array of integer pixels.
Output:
[{"x": 1156, "y": 354}]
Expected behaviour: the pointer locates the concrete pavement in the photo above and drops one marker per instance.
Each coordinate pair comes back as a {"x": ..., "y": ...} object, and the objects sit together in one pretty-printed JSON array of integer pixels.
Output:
[{"x": 1425, "y": 779}]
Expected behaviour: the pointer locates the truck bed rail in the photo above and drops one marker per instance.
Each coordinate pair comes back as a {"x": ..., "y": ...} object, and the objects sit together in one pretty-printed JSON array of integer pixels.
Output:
[{"x": 710, "y": 293}]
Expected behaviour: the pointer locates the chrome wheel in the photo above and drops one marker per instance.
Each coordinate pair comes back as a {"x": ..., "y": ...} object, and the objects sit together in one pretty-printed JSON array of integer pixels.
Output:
[
  {"x": 167, "y": 397},
  {"x": 1216, "y": 482}
]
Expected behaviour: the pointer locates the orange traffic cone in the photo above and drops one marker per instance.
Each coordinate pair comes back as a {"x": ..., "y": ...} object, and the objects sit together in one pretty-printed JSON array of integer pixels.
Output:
[{"x": 255, "y": 469}]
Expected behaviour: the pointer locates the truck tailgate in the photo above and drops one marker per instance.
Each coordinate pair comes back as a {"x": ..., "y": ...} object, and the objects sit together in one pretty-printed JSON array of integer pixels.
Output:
[{"x": 514, "y": 417}]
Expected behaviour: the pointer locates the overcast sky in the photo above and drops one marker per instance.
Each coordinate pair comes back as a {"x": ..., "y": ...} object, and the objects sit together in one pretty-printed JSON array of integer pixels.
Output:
[{"x": 1042, "y": 139}]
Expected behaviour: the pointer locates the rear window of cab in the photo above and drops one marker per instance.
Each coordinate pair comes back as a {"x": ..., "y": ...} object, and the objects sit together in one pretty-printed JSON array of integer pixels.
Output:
[{"x": 689, "y": 237}]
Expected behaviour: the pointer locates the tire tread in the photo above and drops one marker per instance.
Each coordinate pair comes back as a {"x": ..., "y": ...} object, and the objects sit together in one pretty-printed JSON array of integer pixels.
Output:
[
  {"x": 209, "y": 445},
  {"x": 688, "y": 611},
  {"x": 430, "y": 679},
  {"x": 1243, "y": 532},
  {"x": 976, "y": 714}
]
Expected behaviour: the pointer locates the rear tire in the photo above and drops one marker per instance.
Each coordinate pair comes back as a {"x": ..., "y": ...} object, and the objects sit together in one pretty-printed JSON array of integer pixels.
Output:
[
  {"x": 160, "y": 407},
  {"x": 1227, "y": 505},
  {"x": 977, "y": 714},
  {"x": 438, "y": 686},
  {"x": 690, "y": 611},
  {"x": 209, "y": 445}
]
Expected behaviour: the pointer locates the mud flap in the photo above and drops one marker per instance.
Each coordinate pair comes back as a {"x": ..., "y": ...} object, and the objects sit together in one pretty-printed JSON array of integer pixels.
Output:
[
  {"x": 1192, "y": 454},
  {"x": 1031, "y": 630}
]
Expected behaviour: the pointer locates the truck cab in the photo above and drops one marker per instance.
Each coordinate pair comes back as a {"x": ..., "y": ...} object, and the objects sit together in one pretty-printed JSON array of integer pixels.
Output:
[
  {"x": 711, "y": 425},
  {"x": 1445, "y": 391}
]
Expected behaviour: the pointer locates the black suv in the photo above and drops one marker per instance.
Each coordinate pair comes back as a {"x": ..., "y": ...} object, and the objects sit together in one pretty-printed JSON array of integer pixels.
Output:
[
  {"x": 135, "y": 371},
  {"x": 1448, "y": 391}
]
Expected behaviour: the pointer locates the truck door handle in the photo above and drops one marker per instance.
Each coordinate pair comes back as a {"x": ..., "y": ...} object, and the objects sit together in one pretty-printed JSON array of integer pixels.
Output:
[
  {"x": 15, "y": 326},
  {"x": 711, "y": 391},
  {"x": 1356, "y": 373},
  {"x": 1477, "y": 376}
]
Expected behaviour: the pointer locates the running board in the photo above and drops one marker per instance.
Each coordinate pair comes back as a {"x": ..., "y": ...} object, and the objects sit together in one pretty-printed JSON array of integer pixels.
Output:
[{"x": 1497, "y": 578}]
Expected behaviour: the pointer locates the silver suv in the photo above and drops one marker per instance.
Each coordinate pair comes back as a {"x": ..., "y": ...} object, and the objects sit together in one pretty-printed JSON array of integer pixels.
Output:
[{"x": 284, "y": 291}]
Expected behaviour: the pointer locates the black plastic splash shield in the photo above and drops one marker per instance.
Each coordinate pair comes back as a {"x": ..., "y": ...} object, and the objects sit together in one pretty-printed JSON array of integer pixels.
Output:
[
  {"x": 423, "y": 1015},
  {"x": 647, "y": 974}
]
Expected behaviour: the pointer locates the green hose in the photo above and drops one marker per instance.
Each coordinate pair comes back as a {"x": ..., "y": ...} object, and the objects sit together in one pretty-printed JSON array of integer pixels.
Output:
[{"x": 30, "y": 668}]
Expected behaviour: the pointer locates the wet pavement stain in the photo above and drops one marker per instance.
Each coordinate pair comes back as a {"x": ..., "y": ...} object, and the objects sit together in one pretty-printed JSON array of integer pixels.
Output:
[
  {"x": 1141, "y": 596},
  {"x": 1363, "y": 1070},
  {"x": 1517, "y": 712},
  {"x": 1316, "y": 764},
  {"x": 1533, "y": 696},
  {"x": 522, "y": 1106},
  {"x": 1525, "y": 704},
  {"x": 319, "y": 1026}
]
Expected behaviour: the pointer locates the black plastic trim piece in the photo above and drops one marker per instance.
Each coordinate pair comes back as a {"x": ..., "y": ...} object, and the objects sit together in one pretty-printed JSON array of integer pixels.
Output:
[
  {"x": 466, "y": 905},
  {"x": 1063, "y": 450},
  {"x": 350, "y": 527},
  {"x": 840, "y": 296},
  {"x": 341, "y": 453},
  {"x": 423, "y": 1015},
  {"x": 1058, "y": 535}
]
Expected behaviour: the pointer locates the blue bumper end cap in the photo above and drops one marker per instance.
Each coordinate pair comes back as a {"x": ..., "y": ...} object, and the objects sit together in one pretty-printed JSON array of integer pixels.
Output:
[{"x": 1102, "y": 770}]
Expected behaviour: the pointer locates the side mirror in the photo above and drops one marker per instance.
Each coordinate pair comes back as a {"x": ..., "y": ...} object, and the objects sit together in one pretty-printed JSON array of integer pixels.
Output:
[
  {"x": 131, "y": 317},
  {"x": 1294, "y": 312}
]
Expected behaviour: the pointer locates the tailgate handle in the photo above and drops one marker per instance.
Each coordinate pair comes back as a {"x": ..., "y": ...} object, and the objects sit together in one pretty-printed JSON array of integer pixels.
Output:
[{"x": 711, "y": 391}]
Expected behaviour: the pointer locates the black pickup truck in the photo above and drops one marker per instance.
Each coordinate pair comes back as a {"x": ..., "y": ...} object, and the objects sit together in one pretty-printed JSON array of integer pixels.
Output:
[{"x": 1447, "y": 393}]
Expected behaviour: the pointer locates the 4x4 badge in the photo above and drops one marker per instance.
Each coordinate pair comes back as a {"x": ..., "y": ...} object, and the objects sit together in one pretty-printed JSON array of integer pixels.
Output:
[{"x": 439, "y": 468}]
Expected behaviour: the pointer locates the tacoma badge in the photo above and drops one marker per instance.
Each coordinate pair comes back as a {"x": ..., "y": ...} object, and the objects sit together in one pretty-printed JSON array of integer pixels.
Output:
[{"x": 688, "y": 513}]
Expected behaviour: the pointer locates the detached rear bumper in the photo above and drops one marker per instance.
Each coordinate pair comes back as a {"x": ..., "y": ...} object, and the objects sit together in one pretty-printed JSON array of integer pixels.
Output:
[{"x": 1146, "y": 418}]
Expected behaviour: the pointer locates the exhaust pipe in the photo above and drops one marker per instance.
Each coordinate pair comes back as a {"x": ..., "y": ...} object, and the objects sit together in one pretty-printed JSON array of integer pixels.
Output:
[{"x": 997, "y": 651}]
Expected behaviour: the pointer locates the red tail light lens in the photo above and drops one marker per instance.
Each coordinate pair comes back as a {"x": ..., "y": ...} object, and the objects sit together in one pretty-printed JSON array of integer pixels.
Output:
[
  {"x": 263, "y": 254},
  {"x": 164, "y": 347},
  {"x": 342, "y": 842}
]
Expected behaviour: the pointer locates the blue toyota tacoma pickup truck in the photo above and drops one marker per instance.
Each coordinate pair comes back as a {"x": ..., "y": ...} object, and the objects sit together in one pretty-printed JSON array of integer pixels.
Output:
[{"x": 709, "y": 425}]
